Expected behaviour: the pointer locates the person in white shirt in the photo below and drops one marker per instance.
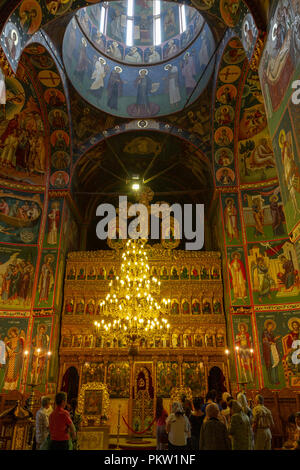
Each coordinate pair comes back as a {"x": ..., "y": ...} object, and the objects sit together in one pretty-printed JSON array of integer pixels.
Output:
[
  {"x": 178, "y": 428},
  {"x": 42, "y": 421}
]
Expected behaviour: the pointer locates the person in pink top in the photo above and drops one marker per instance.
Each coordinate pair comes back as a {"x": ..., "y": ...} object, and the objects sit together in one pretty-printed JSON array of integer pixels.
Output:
[
  {"x": 60, "y": 424},
  {"x": 160, "y": 417}
]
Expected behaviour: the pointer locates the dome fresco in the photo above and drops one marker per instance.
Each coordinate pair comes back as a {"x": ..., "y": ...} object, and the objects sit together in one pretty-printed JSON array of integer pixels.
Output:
[
  {"x": 140, "y": 32},
  {"x": 137, "y": 89}
]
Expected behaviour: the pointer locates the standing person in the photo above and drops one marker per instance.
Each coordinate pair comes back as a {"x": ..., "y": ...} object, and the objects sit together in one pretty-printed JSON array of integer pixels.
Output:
[
  {"x": 211, "y": 397},
  {"x": 225, "y": 411},
  {"x": 178, "y": 428},
  {"x": 242, "y": 399},
  {"x": 196, "y": 421},
  {"x": 42, "y": 421},
  {"x": 213, "y": 434},
  {"x": 76, "y": 419},
  {"x": 240, "y": 427},
  {"x": 60, "y": 424},
  {"x": 262, "y": 422},
  {"x": 160, "y": 417}
]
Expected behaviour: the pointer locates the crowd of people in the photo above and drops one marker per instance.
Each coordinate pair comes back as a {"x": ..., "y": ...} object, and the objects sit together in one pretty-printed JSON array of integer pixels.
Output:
[
  {"x": 216, "y": 424},
  {"x": 219, "y": 424}
]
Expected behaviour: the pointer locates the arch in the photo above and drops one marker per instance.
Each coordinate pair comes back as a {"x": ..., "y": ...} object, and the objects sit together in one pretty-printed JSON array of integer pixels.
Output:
[
  {"x": 216, "y": 380},
  {"x": 70, "y": 383}
]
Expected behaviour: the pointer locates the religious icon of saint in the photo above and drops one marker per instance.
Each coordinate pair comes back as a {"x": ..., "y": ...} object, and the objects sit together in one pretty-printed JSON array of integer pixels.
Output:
[
  {"x": 245, "y": 358},
  {"x": 271, "y": 352},
  {"x": 237, "y": 277}
]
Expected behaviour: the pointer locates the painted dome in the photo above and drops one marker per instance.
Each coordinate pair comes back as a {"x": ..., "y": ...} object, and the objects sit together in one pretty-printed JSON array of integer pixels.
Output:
[
  {"x": 140, "y": 31},
  {"x": 137, "y": 58}
]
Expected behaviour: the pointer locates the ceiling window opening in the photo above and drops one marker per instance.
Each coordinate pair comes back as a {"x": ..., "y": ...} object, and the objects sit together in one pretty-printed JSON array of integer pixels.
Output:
[
  {"x": 103, "y": 18},
  {"x": 130, "y": 20},
  {"x": 182, "y": 18},
  {"x": 157, "y": 22}
]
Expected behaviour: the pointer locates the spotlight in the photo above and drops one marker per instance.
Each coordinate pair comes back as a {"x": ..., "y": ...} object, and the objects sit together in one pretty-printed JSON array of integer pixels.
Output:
[{"x": 135, "y": 186}]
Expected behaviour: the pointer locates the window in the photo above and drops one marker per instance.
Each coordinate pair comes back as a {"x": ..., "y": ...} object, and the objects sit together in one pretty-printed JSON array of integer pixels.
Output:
[
  {"x": 182, "y": 19},
  {"x": 103, "y": 18},
  {"x": 156, "y": 23},
  {"x": 130, "y": 20}
]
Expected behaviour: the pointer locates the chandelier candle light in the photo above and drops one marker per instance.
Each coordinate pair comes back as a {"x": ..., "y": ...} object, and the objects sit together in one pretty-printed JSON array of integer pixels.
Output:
[{"x": 131, "y": 311}]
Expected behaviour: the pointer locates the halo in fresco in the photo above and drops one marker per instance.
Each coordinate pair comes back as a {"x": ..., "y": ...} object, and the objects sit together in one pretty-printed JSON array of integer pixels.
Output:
[
  {"x": 59, "y": 179},
  {"x": 224, "y": 115},
  {"x": 11, "y": 40},
  {"x": 58, "y": 7},
  {"x": 226, "y": 94},
  {"x": 42, "y": 61},
  {"x": 223, "y": 136},
  {"x": 225, "y": 176},
  {"x": 230, "y": 11},
  {"x": 15, "y": 97},
  {"x": 203, "y": 4},
  {"x": 230, "y": 73},
  {"x": 132, "y": 90},
  {"x": 234, "y": 56},
  {"x": 30, "y": 16},
  {"x": 35, "y": 49},
  {"x": 49, "y": 78},
  {"x": 54, "y": 97},
  {"x": 111, "y": 39},
  {"x": 249, "y": 33},
  {"x": 224, "y": 156}
]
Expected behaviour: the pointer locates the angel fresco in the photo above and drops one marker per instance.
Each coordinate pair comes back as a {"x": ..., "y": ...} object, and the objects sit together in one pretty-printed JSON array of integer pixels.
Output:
[{"x": 14, "y": 360}]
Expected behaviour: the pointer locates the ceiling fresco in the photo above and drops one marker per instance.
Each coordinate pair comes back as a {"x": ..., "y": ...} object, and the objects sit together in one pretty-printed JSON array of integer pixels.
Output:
[
  {"x": 134, "y": 91},
  {"x": 143, "y": 32},
  {"x": 31, "y": 15}
]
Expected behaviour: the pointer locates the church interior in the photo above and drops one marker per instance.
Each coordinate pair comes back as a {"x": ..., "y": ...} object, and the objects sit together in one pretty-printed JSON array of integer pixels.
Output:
[{"x": 190, "y": 102}]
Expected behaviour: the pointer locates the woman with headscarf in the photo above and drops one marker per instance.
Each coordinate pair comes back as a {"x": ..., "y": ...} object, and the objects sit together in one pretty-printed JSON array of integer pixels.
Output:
[
  {"x": 160, "y": 417},
  {"x": 240, "y": 427},
  {"x": 178, "y": 428},
  {"x": 213, "y": 434}
]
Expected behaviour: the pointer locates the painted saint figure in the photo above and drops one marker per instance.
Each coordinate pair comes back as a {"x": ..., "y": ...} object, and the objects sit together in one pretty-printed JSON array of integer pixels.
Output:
[
  {"x": 98, "y": 76},
  {"x": 46, "y": 280},
  {"x": 245, "y": 360},
  {"x": 277, "y": 214},
  {"x": 53, "y": 223},
  {"x": 231, "y": 219},
  {"x": 14, "y": 358},
  {"x": 265, "y": 281},
  {"x": 258, "y": 215},
  {"x": 271, "y": 352},
  {"x": 39, "y": 358},
  {"x": 173, "y": 84},
  {"x": 188, "y": 71},
  {"x": 114, "y": 88},
  {"x": 290, "y": 170},
  {"x": 143, "y": 83},
  {"x": 238, "y": 278}
]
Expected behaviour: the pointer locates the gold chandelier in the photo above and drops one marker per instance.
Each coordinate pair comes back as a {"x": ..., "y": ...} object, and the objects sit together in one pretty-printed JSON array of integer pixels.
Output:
[{"x": 131, "y": 311}]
